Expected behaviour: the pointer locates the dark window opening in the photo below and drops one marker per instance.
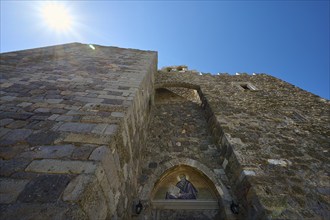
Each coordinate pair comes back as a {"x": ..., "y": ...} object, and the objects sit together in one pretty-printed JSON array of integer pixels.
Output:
[
  {"x": 149, "y": 104},
  {"x": 245, "y": 87}
]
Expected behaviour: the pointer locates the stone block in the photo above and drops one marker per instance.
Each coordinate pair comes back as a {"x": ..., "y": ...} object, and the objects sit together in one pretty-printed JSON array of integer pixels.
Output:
[
  {"x": 109, "y": 164},
  {"x": 64, "y": 118},
  {"x": 4, "y": 131},
  {"x": 82, "y": 152},
  {"x": 88, "y": 100},
  {"x": 75, "y": 189},
  {"x": 5, "y": 121},
  {"x": 15, "y": 136},
  {"x": 24, "y": 104},
  {"x": 100, "y": 153},
  {"x": 111, "y": 129},
  {"x": 41, "y": 117},
  {"x": 113, "y": 101},
  {"x": 44, "y": 189},
  {"x": 58, "y": 111},
  {"x": 38, "y": 125},
  {"x": 39, "y": 211},
  {"x": 76, "y": 127},
  {"x": 153, "y": 165},
  {"x": 115, "y": 93},
  {"x": 118, "y": 114},
  {"x": 8, "y": 167},
  {"x": 87, "y": 139},
  {"x": 111, "y": 97},
  {"x": 123, "y": 87},
  {"x": 94, "y": 203},
  {"x": 43, "y": 138},
  {"x": 16, "y": 115},
  {"x": 61, "y": 166},
  {"x": 42, "y": 110},
  {"x": 54, "y": 101},
  {"x": 53, "y": 117},
  {"x": 7, "y": 98},
  {"x": 57, "y": 151},
  {"x": 10, "y": 189},
  {"x": 108, "y": 193},
  {"x": 99, "y": 129},
  {"x": 9, "y": 152}
]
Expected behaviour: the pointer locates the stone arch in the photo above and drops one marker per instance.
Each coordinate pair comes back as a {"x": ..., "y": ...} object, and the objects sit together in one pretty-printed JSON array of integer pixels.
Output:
[
  {"x": 220, "y": 187},
  {"x": 224, "y": 198},
  {"x": 189, "y": 91}
]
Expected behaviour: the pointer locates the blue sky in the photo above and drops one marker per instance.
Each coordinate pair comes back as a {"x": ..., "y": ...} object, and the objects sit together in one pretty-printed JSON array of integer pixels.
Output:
[{"x": 286, "y": 39}]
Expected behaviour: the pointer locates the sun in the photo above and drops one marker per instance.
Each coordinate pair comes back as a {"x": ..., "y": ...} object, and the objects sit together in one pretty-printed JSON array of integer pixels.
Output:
[{"x": 57, "y": 16}]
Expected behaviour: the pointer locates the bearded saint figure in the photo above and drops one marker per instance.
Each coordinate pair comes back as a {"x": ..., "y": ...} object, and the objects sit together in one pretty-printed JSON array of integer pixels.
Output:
[{"x": 186, "y": 190}]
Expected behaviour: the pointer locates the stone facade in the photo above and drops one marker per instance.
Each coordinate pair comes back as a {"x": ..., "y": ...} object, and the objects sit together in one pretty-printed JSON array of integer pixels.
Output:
[{"x": 88, "y": 133}]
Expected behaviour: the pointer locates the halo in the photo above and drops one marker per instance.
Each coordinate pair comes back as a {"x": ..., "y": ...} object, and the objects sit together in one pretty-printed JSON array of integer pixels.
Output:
[{"x": 178, "y": 176}]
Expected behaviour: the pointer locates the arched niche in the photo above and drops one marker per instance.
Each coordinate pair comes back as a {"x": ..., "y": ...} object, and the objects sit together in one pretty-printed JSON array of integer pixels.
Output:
[
  {"x": 168, "y": 195},
  {"x": 215, "y": 207},
  {"x": 174, "y": 92}
]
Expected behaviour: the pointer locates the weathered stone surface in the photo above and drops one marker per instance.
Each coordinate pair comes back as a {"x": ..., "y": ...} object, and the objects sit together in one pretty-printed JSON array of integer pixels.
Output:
[
  {"x": 40, "y": 125},
  {"x": 87, "y": 138},
  {"x": 111, "y": 129},
  {"x": 74, "y": 191},
  {"x": 57, "y": 151},
  {"x": 113, "y": 101},
  {"x": 61, "y": 166},
  {"x": 83, "y": 152},
  {"x": 99, "y": 129},
  {"x": 5, "y": 121},
  {"x": 64, "y": 118},
  {"x": 152, "y": 165},
  {"x": 95, "y": 203},
  {"x": 77, "y": 127},
  {"x": 44, "y": 189},
  {"x": 4, "y": 131},
  {"x": 10, "y": 189},
  {"x": 8, "y": 167},
  {"x": 15, "y": 136},
  {"x": 107, "y": 114},
  {"x": 40, "y": 138},
  {"x": 17, "y": 124},
  {"x": 39, "y": 211},
  {"x": 118, "y": 114},
  {"x": 9, "y": 152},
  {"x": 111, "y": 166}
]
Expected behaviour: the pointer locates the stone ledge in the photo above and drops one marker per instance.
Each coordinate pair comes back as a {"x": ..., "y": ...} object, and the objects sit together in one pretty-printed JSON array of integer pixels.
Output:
[
  {"x": 61, "y": 166},
  {"x": 87, "y": 139}
]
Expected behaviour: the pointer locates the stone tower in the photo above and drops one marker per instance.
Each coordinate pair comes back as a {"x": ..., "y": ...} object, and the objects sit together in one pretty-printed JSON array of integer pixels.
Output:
[{"x": 100, "y": 133}]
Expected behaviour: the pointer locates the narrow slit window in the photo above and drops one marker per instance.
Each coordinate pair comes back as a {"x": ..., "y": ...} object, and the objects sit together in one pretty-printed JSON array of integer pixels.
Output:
[{"x": 245, "y": 86}]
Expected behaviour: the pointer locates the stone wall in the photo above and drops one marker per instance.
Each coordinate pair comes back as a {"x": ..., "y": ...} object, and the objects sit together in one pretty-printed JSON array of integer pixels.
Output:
[
  {"x": 86, "y": 133},
  {"x": 273, "y": 141},
  {"x": 72, "y": 123}
]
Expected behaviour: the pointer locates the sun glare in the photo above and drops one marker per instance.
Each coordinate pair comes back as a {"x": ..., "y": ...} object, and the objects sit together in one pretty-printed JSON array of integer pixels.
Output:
[{"x": 57, "y": 16}]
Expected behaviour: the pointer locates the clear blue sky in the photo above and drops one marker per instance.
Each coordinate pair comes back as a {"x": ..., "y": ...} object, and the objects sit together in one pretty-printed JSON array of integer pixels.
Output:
[{"x": 287, "y": 39}]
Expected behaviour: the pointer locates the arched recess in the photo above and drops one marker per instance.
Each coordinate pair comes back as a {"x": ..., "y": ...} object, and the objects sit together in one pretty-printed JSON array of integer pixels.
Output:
[
  {"x": 177, "y": 84},
  {"x": 192, "y": 168},
  {"x": 169, "y": 92}
]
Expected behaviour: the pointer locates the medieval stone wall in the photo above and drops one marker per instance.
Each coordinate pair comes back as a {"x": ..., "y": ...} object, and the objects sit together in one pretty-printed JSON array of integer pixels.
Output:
[
  {"x": 87, "y": 133},
  {"x": 69, "y": 138},
  {"x": 273, "y": 140},
  {"x": 177, "y": 130}
]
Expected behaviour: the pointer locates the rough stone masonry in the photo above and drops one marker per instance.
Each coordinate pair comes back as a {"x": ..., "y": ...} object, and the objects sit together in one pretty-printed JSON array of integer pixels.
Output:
[{"x": 88, "y": 133}]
